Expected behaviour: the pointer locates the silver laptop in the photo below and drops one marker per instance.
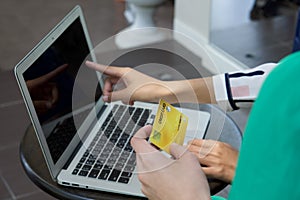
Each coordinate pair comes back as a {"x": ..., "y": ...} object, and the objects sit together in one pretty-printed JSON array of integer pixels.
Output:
[{"x": 85, "y": 142}]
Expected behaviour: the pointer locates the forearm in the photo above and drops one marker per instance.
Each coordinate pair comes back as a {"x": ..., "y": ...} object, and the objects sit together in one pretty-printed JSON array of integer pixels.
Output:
[
  {"x": 190, "y": 91},
  {"x": 230, "y": 90}
]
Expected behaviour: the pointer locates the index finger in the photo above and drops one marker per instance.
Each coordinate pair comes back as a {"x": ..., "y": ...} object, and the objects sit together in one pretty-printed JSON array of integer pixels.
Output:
[
  {"x": 107, "y": 70},
  {"x": 203, "y": 143},
  {"x": 197, "y": 142}
]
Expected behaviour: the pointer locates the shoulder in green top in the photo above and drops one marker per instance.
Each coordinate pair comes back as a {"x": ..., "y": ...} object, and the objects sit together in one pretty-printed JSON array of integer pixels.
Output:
[
  {"x": 269, "y": 161},
  {"x": 217, "y": 198}
]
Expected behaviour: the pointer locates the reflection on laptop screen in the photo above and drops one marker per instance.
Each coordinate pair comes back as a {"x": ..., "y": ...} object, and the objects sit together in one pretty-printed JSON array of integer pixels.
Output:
[{"x": 50, "y": 81}]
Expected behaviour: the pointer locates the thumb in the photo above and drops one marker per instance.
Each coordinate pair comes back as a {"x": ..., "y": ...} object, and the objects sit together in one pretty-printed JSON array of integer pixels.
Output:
[
  {"x": 177, "y": 150},
  {"x": 120, "y": 95},
  {"x": 139, "y": 142}
]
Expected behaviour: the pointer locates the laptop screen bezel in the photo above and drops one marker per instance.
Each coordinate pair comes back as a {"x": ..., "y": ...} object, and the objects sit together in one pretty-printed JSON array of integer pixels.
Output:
[{"x": 27, "y": 61}]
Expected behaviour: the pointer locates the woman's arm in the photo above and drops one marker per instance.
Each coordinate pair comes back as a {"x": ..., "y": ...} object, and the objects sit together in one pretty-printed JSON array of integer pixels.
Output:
[
  {"x": 129, "y": 85},
  {"x": 230, "y": 90}
]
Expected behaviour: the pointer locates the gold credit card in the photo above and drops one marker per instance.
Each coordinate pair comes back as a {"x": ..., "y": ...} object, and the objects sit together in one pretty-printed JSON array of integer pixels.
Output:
[{"x": 169, "y": 126}]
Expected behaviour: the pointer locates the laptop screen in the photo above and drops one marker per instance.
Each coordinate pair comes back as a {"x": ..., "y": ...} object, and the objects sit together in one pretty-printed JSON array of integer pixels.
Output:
[{"x": 51, "y": 83}]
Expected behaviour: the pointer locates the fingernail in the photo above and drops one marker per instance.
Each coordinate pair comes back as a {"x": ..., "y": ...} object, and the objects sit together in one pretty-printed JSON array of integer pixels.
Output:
[
  {"x": 174, "y": 145},
  {"x": 105, "y": 98}
]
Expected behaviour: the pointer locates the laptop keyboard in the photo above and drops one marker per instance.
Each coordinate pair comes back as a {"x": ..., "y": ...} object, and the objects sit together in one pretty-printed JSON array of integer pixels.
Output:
[
  {"x": 110, "y": 155},
  {"x": 61, "y": 136}
]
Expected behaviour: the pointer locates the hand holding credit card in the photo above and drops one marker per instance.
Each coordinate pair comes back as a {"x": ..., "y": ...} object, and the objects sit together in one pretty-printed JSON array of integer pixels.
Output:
[{"x": 169, "y": 126}]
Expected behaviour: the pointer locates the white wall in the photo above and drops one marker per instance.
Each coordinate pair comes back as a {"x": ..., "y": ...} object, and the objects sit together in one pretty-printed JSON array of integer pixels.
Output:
[
  {"x": 193, "y": 19},
  {"x": 230, "y": 13}
]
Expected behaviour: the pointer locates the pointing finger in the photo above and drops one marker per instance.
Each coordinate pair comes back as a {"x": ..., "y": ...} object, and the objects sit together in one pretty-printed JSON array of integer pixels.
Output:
[{"x": 107, "y": 70}]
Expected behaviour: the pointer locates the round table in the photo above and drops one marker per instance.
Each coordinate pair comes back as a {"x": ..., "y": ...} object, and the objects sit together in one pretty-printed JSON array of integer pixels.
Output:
[{"x": 221, "y": 127}]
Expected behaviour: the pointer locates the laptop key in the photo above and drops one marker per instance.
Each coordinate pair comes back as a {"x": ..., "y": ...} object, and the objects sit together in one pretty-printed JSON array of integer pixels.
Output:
[
  {"x": 98, "y": 166},
  {"x": 130, "y": 110},
  {"x": 119, "y": 166},
  {"x": 90, "y": 161},
  {"x": 131, "y": 162},
  {"x": 75, "y": 171},
  {"x": 113, "y": 140},
  {"x": 124, "y": 136},
  {"x": 113, "y": 158},
  {"x": 125, "y": 154},
  {"x": 120, "y": 145},
  {"x": 79, "y": 165},
  {"x": 116, "y": 152},
  {"x": 123, "y": 180},
  {"x": 114, "y": 175},
  {"x": 123, "y": 141},
  {"x": 128, "y": 148},
  {"x": 86, "y": 153},
  {"x": 82, "y": 159},
  {"x": 104, "y": 174},
  {"x": 104, "y": 156},
  {"x": 129, "y": 168},
  {"x": 108, "y": 167},
  {"x": 106, "y": 151},
  {"x": 92, "y": 157},
  {"x": 83, "y": 173},
  {"x": 126, "y": 174},
  {"x": 86, "y": 167},
  {"x": 94, "y": 173},
  {"x": 101, "y": 161}
]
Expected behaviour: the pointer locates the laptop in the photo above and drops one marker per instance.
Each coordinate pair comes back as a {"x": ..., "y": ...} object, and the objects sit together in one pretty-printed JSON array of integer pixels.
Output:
[{"x": 85, "y": 141}]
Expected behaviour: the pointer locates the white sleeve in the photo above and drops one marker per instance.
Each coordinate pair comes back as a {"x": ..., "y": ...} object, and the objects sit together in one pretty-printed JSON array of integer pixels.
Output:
[{"x": 239, "y": 89}]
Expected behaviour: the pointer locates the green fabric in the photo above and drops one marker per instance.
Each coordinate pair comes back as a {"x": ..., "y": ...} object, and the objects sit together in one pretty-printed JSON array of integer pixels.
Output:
[
  {"x": 269, "y": 161},
  {"x": 217, "y": 198}
]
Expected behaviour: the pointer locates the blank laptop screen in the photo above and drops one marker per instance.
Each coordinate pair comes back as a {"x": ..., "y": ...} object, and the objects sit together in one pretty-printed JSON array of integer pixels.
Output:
[{"x": 50, "y": 81}]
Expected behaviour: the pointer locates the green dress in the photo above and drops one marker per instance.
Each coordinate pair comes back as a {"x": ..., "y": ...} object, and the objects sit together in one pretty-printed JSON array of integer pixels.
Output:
[{"x": 269, "y": 160}]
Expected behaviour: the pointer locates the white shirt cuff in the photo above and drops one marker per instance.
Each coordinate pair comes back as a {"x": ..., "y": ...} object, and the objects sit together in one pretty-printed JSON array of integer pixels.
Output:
[
  {"x": 221, "y": 92},
  {"x": 240, "y": 89}
]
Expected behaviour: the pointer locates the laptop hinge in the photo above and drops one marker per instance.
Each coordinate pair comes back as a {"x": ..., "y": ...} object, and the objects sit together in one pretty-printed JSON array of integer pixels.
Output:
[{"x": 72, "y": 155}]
